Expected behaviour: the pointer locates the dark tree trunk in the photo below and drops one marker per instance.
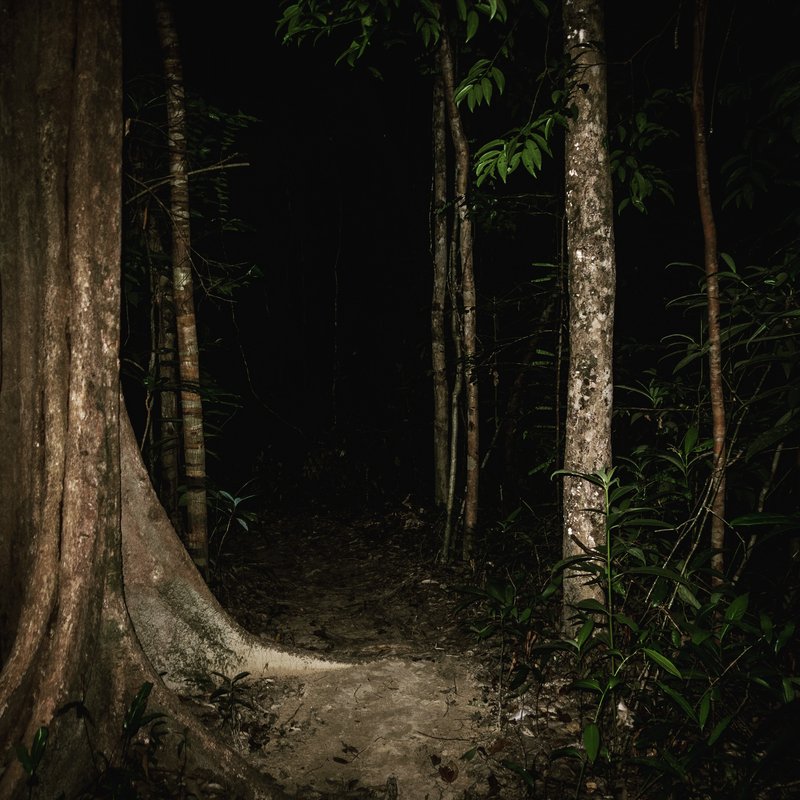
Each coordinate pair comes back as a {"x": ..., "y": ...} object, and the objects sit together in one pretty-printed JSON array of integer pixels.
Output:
[
  {"x": 439, "y": 299},
  {"x": 710, "y": 260},
  {"x": 468, "y": 294}
]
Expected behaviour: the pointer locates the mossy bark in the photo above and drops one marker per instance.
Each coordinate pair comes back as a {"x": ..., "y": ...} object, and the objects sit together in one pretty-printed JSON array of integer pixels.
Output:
[{"x": 591, "y": 284}]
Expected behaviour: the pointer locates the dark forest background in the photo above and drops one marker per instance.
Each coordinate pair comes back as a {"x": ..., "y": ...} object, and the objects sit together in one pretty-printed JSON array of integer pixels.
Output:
[{"x": 328, "y": 348}]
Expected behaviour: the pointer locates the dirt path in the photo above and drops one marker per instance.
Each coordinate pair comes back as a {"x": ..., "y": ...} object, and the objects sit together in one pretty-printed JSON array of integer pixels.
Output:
[{"x": 417, "y": 717}]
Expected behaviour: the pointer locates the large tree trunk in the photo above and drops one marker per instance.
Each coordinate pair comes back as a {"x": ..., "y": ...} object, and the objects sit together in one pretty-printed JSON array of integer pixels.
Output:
[
  {"x": 590, "y": 249},
  {"x": 468, "y": 294},
  {"x": 710, "y": 260},
  {"x": 194, "y": 448},
  {"x": 69, "y": 483}
]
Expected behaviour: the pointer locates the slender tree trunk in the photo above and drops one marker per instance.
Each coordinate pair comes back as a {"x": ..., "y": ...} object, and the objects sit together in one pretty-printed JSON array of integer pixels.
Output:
[
  {"x": 591, "y": 281},
  {"x": 165, "y": 446},
  {"x": 183, "y": 292},
  {"x": 169, "y": 420},
  {"x": 440, "y": 261},
  {"x": 456, "y": 335},
  {"x": 710, "y": 259},
  {"x": 468, "y": 294}
]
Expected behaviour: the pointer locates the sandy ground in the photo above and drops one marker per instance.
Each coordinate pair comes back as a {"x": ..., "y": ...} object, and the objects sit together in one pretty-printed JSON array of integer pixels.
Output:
[{"x": 419, "y": 715}]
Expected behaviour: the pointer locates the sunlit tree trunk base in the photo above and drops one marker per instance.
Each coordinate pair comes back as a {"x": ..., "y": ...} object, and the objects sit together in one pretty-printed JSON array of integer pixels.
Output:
[{"x": 178, "y": 620}]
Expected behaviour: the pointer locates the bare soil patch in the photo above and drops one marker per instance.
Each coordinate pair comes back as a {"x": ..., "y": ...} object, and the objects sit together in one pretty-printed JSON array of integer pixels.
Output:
[{"x": 419, "y": 715}]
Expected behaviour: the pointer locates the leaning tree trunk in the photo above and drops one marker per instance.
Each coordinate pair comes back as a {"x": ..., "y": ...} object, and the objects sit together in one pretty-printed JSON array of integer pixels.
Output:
[
  {"x": 440, "y": 262},
  {"x": 194, "y": 450},
  {"x": 710, "y": 260},
  {"x": 591, "y": 280},
  {"x": 71, "y": 476},
  {"x": 468, "y": 294}
]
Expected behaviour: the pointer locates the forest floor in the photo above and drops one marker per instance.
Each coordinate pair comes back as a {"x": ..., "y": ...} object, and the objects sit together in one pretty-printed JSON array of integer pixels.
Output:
[{"x": 421, "y": 714}]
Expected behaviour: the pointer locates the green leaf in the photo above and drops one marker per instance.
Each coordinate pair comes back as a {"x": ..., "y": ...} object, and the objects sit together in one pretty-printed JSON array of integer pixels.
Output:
[
  {"x": 736, "y": 610},
  {"x": 686, "y": 594},
  {"x": 39, "y": 744},
  {"x": 591, "y": 741},
  {"x": 679, "y": 699},
  {"x": 705, "y": 707},
  {"x": 690, "y": 439},
  {"x": 542, "y": 8},
  {"x": 729, "y": 261},
  {"x": 499, "y": 79},
  {"x": 719, "y": 729},
  {"x": 134, "y": 716},
  {"x": 472, "y": 24},
  {"x": 462, "y": 9},
  {"x": 662, "y": 661},
  {"x": 526, "y": 775},
  {"x": 532, "y": 149},
  {"x": 486, "y": 86},
  {"x": 584, "y": 633}
]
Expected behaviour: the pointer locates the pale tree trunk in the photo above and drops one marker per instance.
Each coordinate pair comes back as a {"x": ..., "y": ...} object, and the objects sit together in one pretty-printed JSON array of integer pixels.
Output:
[
  {"x": 468, "y": 295},
  {"x": 440, "y": 261},
  {"x": 710, "y": 260},
  {"x": 591, "y": 281},
  {"x": 194, "y": 450},
  {"x": 71, "y": 476}
]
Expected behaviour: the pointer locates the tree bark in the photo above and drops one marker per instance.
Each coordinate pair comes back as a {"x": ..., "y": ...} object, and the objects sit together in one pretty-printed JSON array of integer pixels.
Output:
[
  {"x": 468, "y": 295},
  {"x": 591, "y": 280},
  {"x": 710, "y": 260},
  {"x": 71, "y": 476},
  {"x": 194, "y": 451},
  {"x": 439, "y": 299}
]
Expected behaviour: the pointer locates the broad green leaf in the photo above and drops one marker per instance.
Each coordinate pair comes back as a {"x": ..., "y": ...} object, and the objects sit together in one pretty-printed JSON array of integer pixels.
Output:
[
  {"x": 486, "y": 85},
  {"x": 719, "y": 729},
  {"x": 662, "y": 661},
  {"x": 729, "y": 261},
  {"x": 462, "y": 9},
  {"x": 499, "y": 79},
  {"x": 705, "y": 707},
  {"x": 690, "y": 439},
  {"x": 679, "y": 699},
  {"x": 592, "y": 605},
  {"x": 736, "y": 610},
  {"x": 39, "y": 744},
  {"x": 526, "y": 775},
  {"x": 686, "y": 594},
  {"x": 591, "y": 741},
  {"x": 584, "y": 633},
  {"x": 534, "y": 152},
  {"x": 542, "y": 8},
  {"x": 472, "y": 24}
]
